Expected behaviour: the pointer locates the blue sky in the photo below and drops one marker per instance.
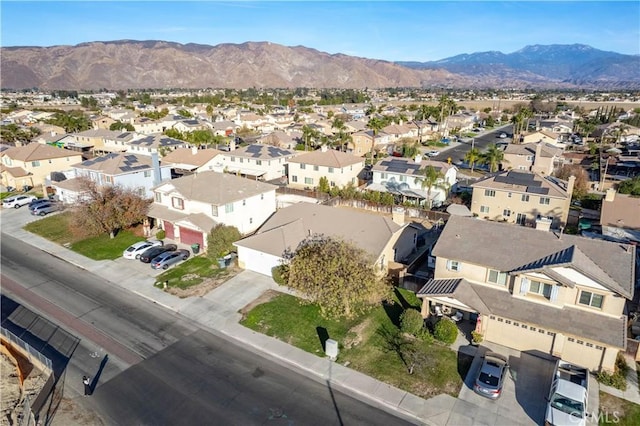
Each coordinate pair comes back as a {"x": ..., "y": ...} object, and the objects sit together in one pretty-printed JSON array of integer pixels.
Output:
[{"x": 394, "y": 31}]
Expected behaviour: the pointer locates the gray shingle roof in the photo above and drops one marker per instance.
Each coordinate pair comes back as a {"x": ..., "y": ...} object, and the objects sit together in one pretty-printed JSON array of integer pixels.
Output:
[{"x": 508, "y": 247}]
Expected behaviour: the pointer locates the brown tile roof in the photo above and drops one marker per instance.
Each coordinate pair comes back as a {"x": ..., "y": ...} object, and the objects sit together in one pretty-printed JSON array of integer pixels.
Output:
[
  {"x": 14, "y": 171},
  {"x": 548, "y": 150},
  {"x": 186, "y": 156},
  {"x": 330, "y": 158},
  {"x": 622, "y": 212},
  {"x": 37, "y": 151},
  {"x": 215, "y": 188},
  {"x": 290, "y": 225},
  {"x": 465, "y": 239}
]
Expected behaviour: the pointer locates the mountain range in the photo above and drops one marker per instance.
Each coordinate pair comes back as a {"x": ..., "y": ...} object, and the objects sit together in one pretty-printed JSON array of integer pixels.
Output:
[{"x": 131, "y": 64}]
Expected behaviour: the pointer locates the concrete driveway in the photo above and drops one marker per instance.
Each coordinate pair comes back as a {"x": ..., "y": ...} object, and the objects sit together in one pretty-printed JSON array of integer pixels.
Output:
[{"x": 523, "y": 396}]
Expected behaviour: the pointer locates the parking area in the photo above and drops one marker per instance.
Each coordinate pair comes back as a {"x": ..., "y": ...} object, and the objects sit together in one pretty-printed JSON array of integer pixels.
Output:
[{"x": 523, "y": 396}]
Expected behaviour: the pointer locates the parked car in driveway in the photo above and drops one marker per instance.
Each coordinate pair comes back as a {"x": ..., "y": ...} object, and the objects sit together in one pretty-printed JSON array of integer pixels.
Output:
[
  {"x": 37, "y": 202},
  {"x": 491, "y": 375},
  {"x": 152, "y": 252},
  {"x": 17, "y": 201},
  {"x": 135, "y": 250},
  {"x": 44, "y": 209},
  {"x": 168, "y": 258}
]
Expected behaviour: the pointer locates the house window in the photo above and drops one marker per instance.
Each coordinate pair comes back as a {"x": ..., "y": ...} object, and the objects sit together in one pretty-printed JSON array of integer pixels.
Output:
[
  {"x": 250, "y": 220},
  {"x": 402, "y": 178},
  {"x": 177, "y": 203},
  {"x": 525, "y": 198},
  {"x": 158, "y": 197},
  {"x": 147, "y": 173},
  {"x": 530, "y": 158},
  {"x": 244, "y": 202},
  {"x": 108, "y": 179},
  {"x": 258, "y": 162},
  {"x": 242, "y": 160},
  {"x": 509, "y": 194},
  {"x": 262, "y": 196},
  {"x": 484, "y": 209},
  {"x": 543, "y": 289},
  {"x": 333, "y": 183},
  {"x": 506, "y": 213},
  {"x": 35, "y": 163},
  {"x": 228, "y": 208},
  {"x": 315, "y": 168},
  {"x": 233, "y": 159},
  {"x": 303, "y": 166},
  {"x": 591, "y": 299},
  {"x": 383, "y": 175},
  {"x": 497, "y": 277},
  {"x": 453, "y": 265},
  {"x": 330, "y": 169},
  {"x": 214, "y": 211},
  {"x": 489, "y": 193},
  {"x": 545, "y": 200},
  {"x": 294, "y": 178},
  {"x": 308, "y": 181}
]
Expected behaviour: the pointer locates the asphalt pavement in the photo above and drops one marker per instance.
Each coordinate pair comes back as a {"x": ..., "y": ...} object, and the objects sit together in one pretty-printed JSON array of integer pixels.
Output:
[{"x": 218, "y": 311}]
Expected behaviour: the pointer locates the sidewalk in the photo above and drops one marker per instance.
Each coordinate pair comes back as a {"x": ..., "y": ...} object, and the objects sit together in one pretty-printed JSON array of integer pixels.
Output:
[{"x": 632, "y": 393}]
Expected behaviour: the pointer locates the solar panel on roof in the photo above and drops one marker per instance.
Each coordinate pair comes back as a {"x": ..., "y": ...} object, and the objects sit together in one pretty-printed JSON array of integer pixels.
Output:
[
  {"x": 254, "y": 148},
  {"x": 537, "y": 190}
]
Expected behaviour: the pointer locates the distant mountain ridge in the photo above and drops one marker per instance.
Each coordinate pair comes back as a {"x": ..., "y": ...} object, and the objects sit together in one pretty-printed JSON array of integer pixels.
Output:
[
  {"x": 132, "y": 64},
  {"x": 573, "y": 64}
]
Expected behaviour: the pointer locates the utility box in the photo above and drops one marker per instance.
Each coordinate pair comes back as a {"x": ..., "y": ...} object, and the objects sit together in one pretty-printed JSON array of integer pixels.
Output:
[{"x": 331, "y": 349}]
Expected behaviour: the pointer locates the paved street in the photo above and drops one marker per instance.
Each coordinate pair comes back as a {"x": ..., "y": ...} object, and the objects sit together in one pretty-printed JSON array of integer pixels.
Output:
[{"x": 458, "y": 150}]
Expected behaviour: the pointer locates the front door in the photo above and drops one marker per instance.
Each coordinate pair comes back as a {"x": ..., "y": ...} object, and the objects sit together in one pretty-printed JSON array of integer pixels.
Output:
[{"x": 521, "y": 219}]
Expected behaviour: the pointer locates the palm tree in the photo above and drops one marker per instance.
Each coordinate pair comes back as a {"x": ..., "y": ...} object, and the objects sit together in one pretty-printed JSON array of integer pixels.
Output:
[
  {"x": 375, "y": 124},
  {"x": 428, "y": 178},
  {"x": 472, "y": 157},
  {"x": 493, "y": 157}
]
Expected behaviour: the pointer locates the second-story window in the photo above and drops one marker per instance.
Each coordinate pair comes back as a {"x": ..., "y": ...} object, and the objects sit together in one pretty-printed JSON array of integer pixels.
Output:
[
  {"x": 177, "y": 203},
  {"x": 35, "y": 163},
  {"x": 453, "y": 265},
  {"x": 330, "y": 169},
  {"x": 591, "y": 299},
  {"x": 489, "y": 193},
  {"x": 258, "y": 162},
  {"x": 228, "y": 208},
  {"x": 525, "y": 198},
  {"x": 214, "y": 211},
  {"x": 545, "y": 200},
  {"x": 540, "y": 288},
  {"x": 303, "y": 166},
  {"x": 497, "y": 277},
  {"x": 315, "y": 168},
  {"x": 484, "y": 209},
  {"x": 158, "y": 197}
]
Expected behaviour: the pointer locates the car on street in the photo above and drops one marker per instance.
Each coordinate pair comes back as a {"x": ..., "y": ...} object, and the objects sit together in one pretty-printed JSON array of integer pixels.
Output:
[
  {"x": 135, "y": 250},
  {"x": 17, "y": 201},
  {"x": 152, "y": 252},
  {"x": 491, "y": 376},
  {"x": 169, "y": 258},
  {"x": 433, "y": 153},
  {"x": 37, "y": 202},
  {"x": 503, "y": 135},
  {"x": 44, "y": 209}
]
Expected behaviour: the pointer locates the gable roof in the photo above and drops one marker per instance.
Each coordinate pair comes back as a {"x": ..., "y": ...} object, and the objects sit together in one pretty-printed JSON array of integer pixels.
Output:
[
  {"x": 290, "y": 225},
  {"x": 261, "y": 152},
  {"x": 329, "y": 158},
  {"x": 622, "y": 212},
  {"x": 116, "y": 163},
  {"x": 547, "y": 150},
  {"x": 36, "y": 151},
  {"x": 408, "y": 166},
  {"x": 187, "y": 156},
  {"x": 519, "y": 248},
  {"x": 215, "y": 188}
]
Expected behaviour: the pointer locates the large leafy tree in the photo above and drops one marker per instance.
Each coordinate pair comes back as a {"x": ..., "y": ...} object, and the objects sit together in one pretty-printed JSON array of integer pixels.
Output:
[
  {"x": 108, "y": 208},
  {"x": 630, "y": 186},
  {"x": 73, "y": 121},
  {"x": 428, "y": 178},
  {"x": 337, "y": 275},
  {"x": 220, "y": 240},
  {"x": 581, "y": 185}
]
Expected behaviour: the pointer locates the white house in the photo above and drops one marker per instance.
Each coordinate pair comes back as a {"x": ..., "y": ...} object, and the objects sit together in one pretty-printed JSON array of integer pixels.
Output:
[
  {"x": 399, "y": 177},
  {"x": 257, "y": 161},
  {"x": 137, "y": 172},
  {"x": 193, "y": 160},
  {"x": 188, "y": 208},
  {"x": 151, "y": 144}
]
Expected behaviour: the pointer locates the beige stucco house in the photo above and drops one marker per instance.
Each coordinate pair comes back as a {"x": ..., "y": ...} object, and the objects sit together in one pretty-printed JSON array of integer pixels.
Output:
[
  {"x": 386, "y": 239},
  {"x": 536, "y": 291},
  {"x": 184, "y": 161},
  {"x": 340, "y": 168},
  {"x": 536, "y": 157},
  {"x": 525, "y": 198},
  {"x": 31, "y": 164}
]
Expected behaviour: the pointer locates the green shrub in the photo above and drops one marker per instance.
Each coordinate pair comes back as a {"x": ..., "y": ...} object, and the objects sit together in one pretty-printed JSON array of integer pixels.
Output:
[
  {"x": 617, "y": 379},
  {"x": 279, "y": 274},
  {"x": 220, "y": 240},
  {"x": 425, "y": 336},
  {"x": 445, "y": 331},
  {"x": 160, "y": 235},
  {"x": 411, "y": 322}
]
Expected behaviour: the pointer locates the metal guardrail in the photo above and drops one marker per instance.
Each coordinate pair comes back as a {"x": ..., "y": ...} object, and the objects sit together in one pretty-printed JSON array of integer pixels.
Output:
[{"x": 29, "y": 350}]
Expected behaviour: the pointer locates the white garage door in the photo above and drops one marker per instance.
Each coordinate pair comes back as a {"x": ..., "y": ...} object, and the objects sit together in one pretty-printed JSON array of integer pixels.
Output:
[
  {"x": 583, "y": 353},
  {"x": 257, "y": 261},
  {"x": 518, "y": 335}
]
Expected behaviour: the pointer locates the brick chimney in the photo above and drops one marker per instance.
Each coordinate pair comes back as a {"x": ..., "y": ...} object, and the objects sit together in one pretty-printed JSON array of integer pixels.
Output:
[{"x": 536, "y": 159}]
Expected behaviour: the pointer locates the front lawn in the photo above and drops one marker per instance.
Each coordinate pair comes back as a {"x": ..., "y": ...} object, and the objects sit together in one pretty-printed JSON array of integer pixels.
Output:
[
  {"x": 103, "y": 247},
  {"x": 362, "y": 342},
  {"x": 618, "y": 411},
  {"x": 54, "y": 228},
  {"x": 192, "y": 272}
]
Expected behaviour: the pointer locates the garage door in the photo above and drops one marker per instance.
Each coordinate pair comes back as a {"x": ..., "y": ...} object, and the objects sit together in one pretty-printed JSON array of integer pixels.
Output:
[
  {"x": 257, "y": 261},
  {"x": 168, "y": 229},
  {"x": 516, "y": 335},
  {"x": 582, "y": 353},
  {"x": 190, "y": 236}
]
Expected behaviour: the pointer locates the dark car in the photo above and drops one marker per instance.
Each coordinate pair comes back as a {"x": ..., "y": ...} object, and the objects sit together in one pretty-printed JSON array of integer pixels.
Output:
[
  {"x": 491, "y": 376},
  {"x": 149, "y": 254},
  {"x": 38, "y": 202},
  {"x": 166, "y": 259}
]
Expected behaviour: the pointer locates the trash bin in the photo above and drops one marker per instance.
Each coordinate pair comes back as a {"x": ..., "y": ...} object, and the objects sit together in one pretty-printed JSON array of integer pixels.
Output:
[
  {"x": 195, "y": 248},
  {"x": 222, "y": 264}
]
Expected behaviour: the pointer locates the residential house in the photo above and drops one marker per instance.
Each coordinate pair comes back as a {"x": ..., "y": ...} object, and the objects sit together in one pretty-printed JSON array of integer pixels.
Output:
[
  {"x": 340, "y": 168},
  {"x": 535, "y": 291},
  {"x": 386, "y": 240},
  {"x": 120, "y": 142},
  {"x": 148, "y": 126},
  {"x": 102, "y": 122},
  {"x": 365, "y": 142},
  {"x": 188, "y": 208},
  {"x": 620, "y": 217},
  {"x": 536, "y": 157},
  {"x": 152, "y": 144},
  {"x": 185, "y": 161},
  {"x": 30, "y": 165},
  {"x": 400, "y": 176},
  {"x": 543, "y": 136},
  {"x": 281, "y": 139},
  {"x": 94, "y": 138},
  {"x": 137, "y": 172},
  {"x": 463, "y": 121},
  {"x": 401, "y": 131},
  {"x": 524, "y": 198},
  {"x": 224, "y": 128},
  {"x": 188, "y": 126},
  {"x": 257, "y": 161}
]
